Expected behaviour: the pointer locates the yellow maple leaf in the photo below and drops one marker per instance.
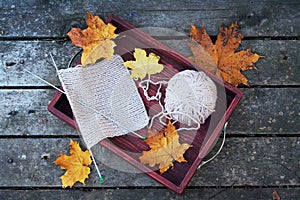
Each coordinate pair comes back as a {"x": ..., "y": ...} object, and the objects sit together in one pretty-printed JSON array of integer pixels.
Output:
[
  {"x": 95, "y": 39},
  {"x": 77, "y": 165},
  {"x": 143, "y": 64},
  {"x": 164, "y": 149},
  {"x": 229, "y": 63},
  {"x": 104, "y": 48}
]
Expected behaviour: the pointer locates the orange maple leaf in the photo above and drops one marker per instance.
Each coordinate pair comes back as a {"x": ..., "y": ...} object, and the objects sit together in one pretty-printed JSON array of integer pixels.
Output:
[
  {"x": 229, "y": 63},
  {"x": 164, "y": 149},
  {"x": 95, "y": 39},
  {"x": 77, "y": 165},
  {"x": 202, "y": 57}
]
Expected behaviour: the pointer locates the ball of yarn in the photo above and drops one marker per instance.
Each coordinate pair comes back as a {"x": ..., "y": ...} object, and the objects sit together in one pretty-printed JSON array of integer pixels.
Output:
[{"x": 190, "y": 97}]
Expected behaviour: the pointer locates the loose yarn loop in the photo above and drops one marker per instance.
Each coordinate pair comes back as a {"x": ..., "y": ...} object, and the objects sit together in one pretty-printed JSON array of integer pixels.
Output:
[
  {"x": 190, "y": 97},
  {"x": 107, "y": 88},
  {"x": 145, "y": 84}
]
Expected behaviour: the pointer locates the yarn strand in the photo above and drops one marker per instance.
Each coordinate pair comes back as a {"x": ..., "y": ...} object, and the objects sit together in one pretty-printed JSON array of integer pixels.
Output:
[
  {"x": 219, "y": 150},
  {"x": 146, "y": 87}
]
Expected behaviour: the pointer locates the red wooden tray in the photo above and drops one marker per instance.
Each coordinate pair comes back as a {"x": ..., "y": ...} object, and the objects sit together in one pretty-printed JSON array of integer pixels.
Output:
[{"x": 130, "y": 147}]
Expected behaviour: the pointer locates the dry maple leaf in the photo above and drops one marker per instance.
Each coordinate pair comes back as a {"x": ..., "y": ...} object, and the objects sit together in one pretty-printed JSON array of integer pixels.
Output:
[
  {"x": 76, "y": 165},
  {"x": 164, "y": 149},
  {"x": 143, "y": 64},
  {"x": 95, "y": 39},
  {"x": 229, "y": 63},
  {"x": 202, "y": 57},
  {"x": 275, "y": 195}
]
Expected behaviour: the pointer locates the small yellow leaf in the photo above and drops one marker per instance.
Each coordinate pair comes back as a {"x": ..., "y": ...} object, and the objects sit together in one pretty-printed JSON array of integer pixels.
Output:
[
  {"x": 76, "y": 165},
  {"x": 143, "y": 65},
  {"x": 164, "y": 149}
]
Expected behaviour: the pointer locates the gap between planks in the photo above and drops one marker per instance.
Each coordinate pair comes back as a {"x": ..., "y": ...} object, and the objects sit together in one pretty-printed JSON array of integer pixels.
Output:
[
  {"x": 284, "y": 186},
  {"x": 213, "y": 37},
  {"x": 230, "y": 135},
  {"x": 50, "y": 88}
]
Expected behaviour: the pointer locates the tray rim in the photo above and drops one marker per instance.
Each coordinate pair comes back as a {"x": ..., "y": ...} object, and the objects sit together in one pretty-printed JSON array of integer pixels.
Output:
[{"x": 207, "y": 146}]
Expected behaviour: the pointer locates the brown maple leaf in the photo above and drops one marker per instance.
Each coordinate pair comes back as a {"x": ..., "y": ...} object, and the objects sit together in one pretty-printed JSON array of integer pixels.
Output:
[
  {"x": 229, "y": 62},
  {"x": 202, "y": 57},
  {"x": 275, "y": 195},
  {"x": 76, "y": 165},
  {"x": 95, "y": 39},
  {"x": 164, "y": 149}
]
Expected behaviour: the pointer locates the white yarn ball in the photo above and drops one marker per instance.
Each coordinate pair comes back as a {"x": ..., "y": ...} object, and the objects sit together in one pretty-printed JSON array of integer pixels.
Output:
[{"x": 190, "y": 97}]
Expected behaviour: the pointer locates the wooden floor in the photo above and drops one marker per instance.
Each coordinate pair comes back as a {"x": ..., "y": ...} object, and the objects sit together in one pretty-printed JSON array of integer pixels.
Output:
[{"x": 262, "y": 150}]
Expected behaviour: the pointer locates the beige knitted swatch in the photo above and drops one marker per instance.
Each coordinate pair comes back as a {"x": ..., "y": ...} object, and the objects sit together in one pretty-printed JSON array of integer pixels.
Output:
[{"x": 104, "y": 100}]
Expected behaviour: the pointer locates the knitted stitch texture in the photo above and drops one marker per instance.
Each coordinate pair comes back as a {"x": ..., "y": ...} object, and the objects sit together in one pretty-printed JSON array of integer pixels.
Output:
[{"x": 104, "y": 100}]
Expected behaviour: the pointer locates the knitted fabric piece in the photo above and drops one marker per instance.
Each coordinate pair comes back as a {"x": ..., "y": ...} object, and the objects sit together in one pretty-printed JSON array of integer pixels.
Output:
[
  {"x": 107, "y": 88},
  {"x": 190, "y": 97}
]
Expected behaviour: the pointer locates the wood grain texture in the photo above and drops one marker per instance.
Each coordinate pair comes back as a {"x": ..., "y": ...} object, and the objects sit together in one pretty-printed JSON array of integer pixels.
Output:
[
  {"x": 55, "y": 18},
  {"x": 33, "y": 56},
  {"x": 163, "y": 194},
  {"x": 264, "y": 161},
  {"x": 24, "y": 113},
  {"x": 261, "y": 153},
  {"x": 261, "y": 111},
  {"x": 267, "y": 110},
  {"x": 279, "y": 67}
]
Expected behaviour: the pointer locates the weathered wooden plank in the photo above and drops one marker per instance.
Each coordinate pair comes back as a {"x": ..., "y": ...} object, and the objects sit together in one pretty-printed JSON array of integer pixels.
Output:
[
  {"x": 261, "y": 111},
  {"x": 54, "y": 19},
  {"x": 163, "y": 194},
  {"x": 280, "y": 66},
  {"x": 24, "y": 112},
  {"x": 268, "y": 110},
  {"x": 264, "y": 161},
  {"x": 33, "y": 56}
]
